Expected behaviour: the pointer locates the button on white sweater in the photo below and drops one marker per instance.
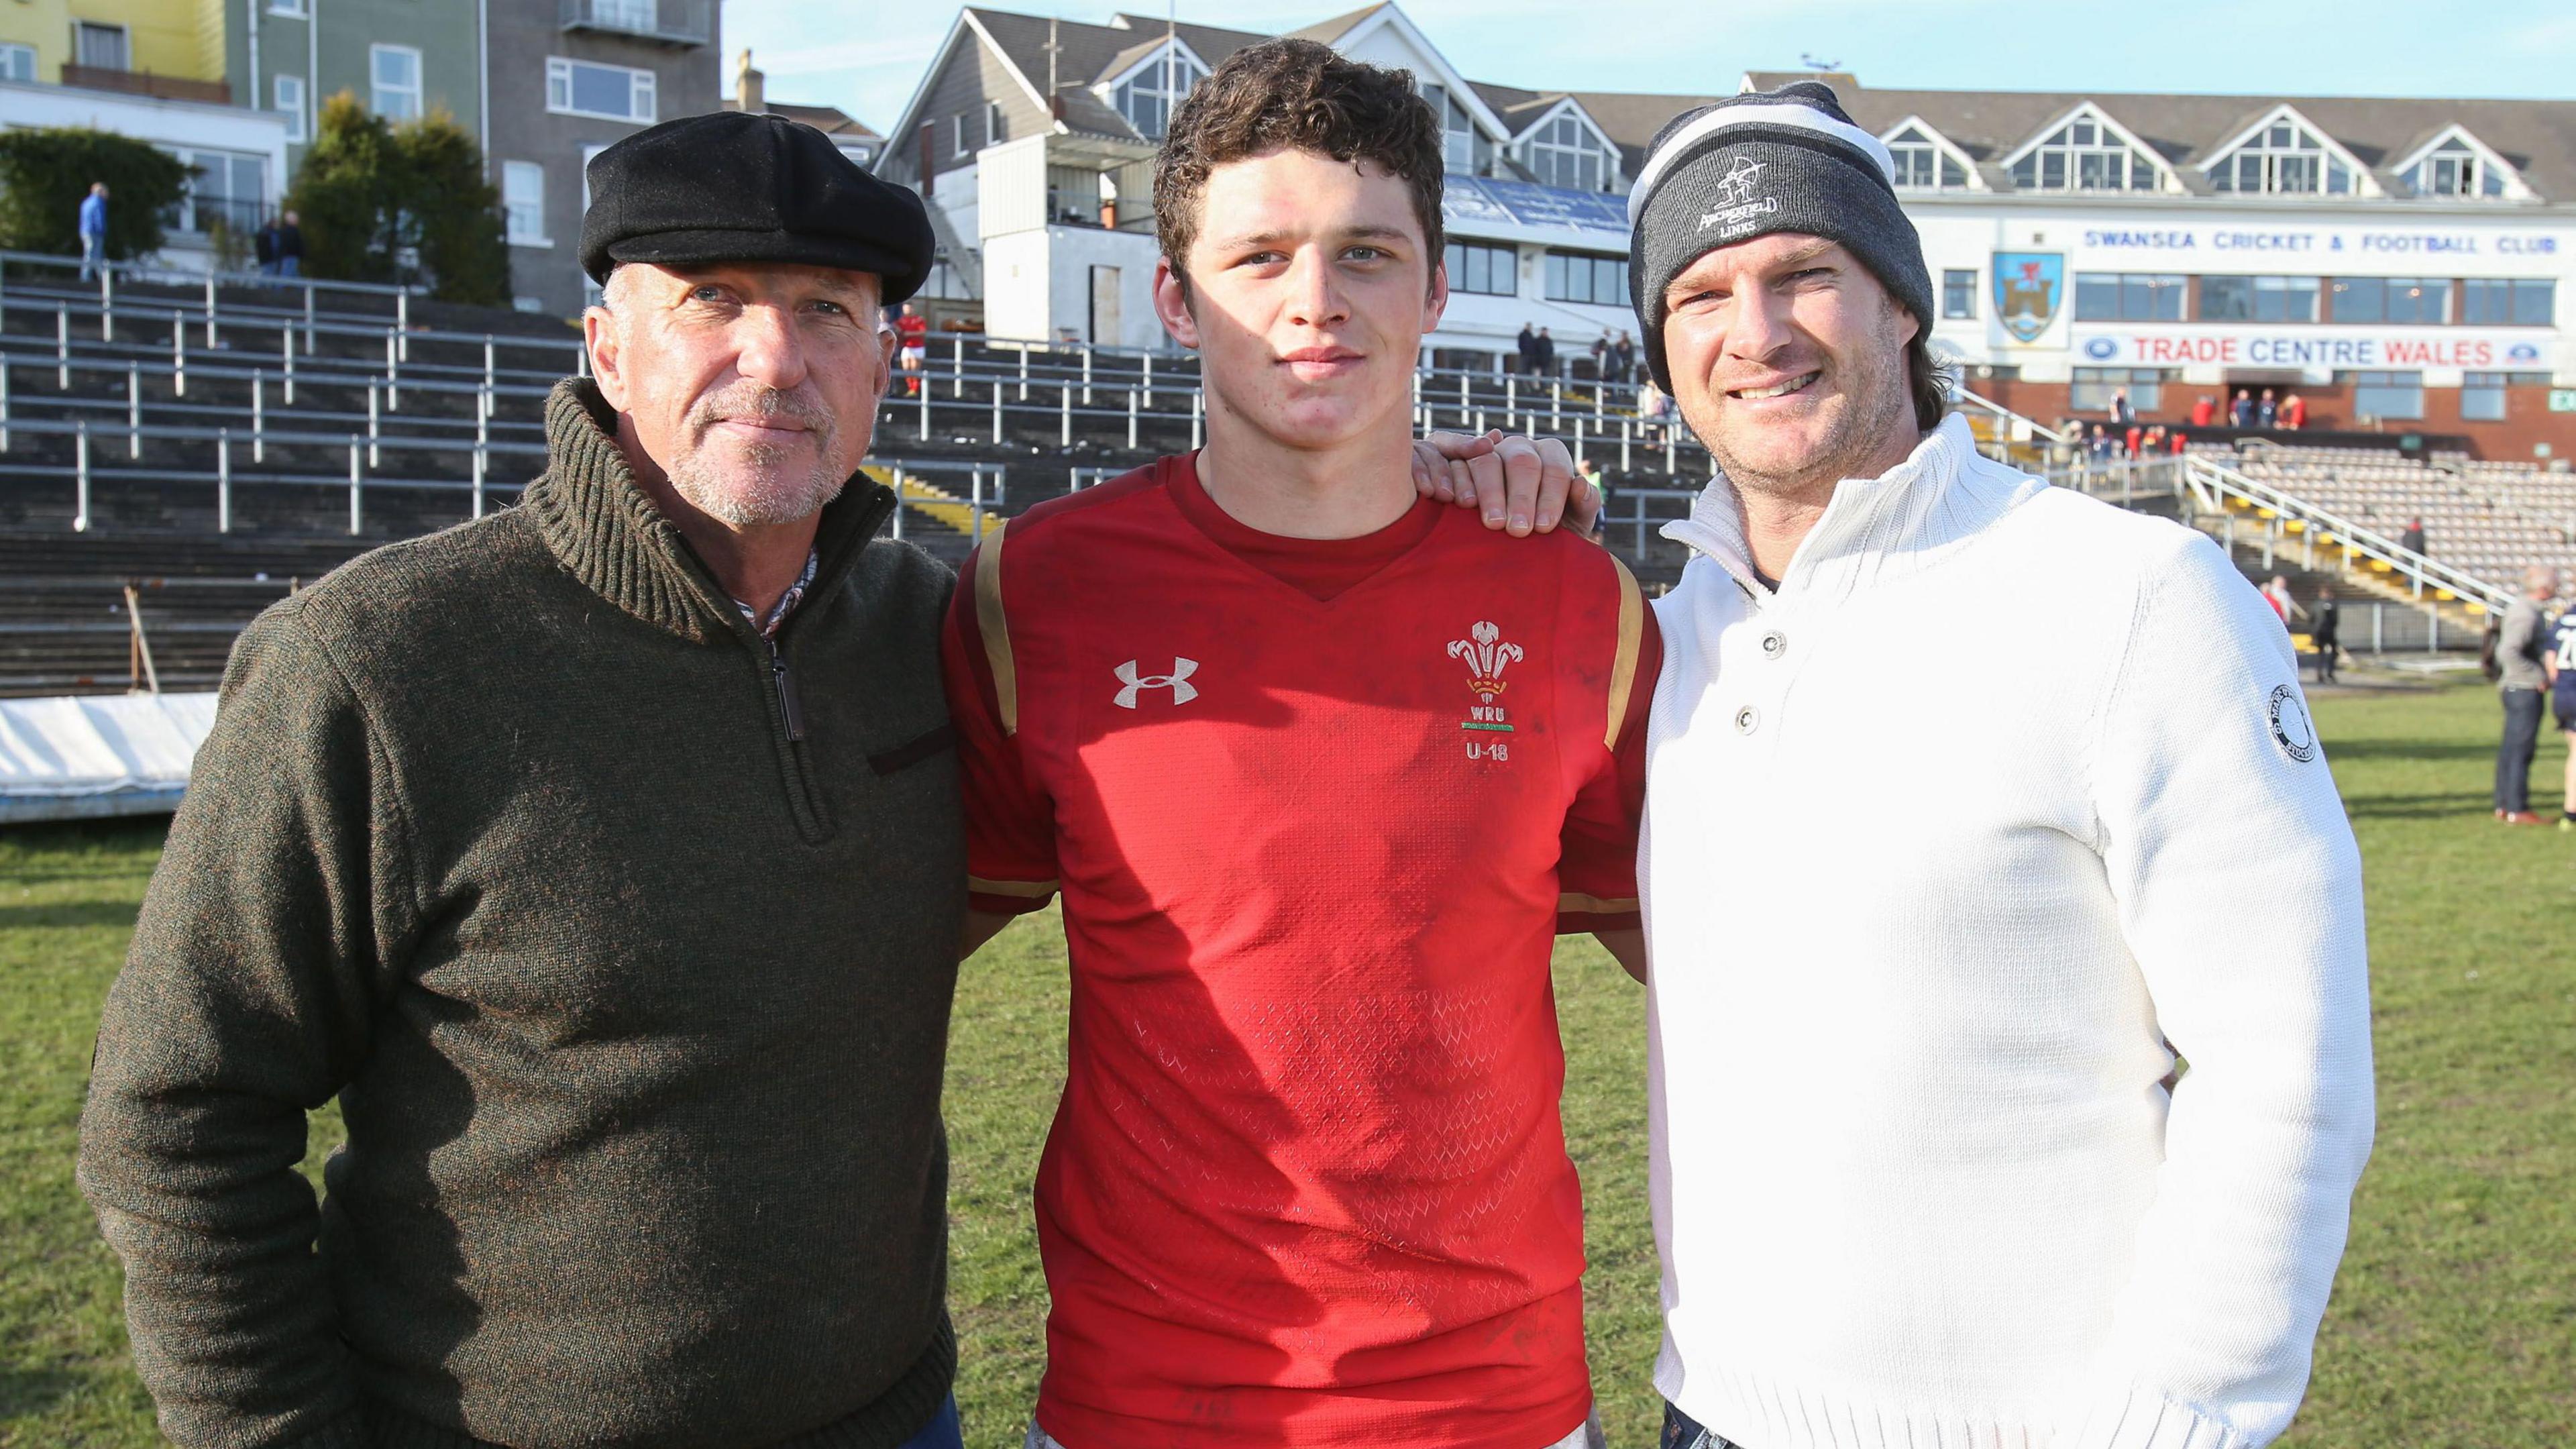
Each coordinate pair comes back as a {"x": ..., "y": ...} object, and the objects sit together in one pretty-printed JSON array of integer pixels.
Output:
[{"x": 2001, "y": 791}]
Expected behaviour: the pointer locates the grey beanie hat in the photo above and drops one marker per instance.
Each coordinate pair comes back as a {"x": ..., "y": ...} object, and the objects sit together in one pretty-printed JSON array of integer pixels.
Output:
[{"x": 1766, "y": 161}]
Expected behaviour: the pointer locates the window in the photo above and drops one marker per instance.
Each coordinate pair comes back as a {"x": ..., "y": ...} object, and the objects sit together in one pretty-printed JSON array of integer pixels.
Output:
[
  {"x": 1146, "y": 99},
  {"x": 2482, "y": 396},
  {"x": 523, "y": 202},
  {"x": 588, "y": 155},
  {"x": 957, "y": 134},
  {"x": 2496, "y": 302},
  {"x": 17, "y": 62},
  {"x": 394, "y": 75},
  {"x": 1564, "y": 152},
  {"x": 1488, "y": 271},
  {"x": 2258, "y": 299},
  {"x": 2284, "y": 157},
  {"x": 2455, "y": 169},
  {"x": 610, "y": 92},
  {"x": 286, "y": 97},
  {"x": 2414, "y": 301},
  {"x": 2084, "y": 155},
  {"x": 1959, "y": 294},
  {"x": 2388, "y": 394},
  {"x": 101, "y": 47},
  {"x": 1922, "y": 165},
  {"x": 1459, "y": 142},
  {"x": 992, "y": 123},
  {"x": 293, "y": 9},
  {"x": 227, "y": 187},
  {"x": 2128, "y": 297},
  {"x": 2093, "y": 387},
  {"x": 1585, "y": 277}
]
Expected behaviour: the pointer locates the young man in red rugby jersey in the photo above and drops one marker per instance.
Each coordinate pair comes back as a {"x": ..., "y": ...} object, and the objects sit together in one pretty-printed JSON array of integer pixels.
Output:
[{"x": 1320, "y": 769}]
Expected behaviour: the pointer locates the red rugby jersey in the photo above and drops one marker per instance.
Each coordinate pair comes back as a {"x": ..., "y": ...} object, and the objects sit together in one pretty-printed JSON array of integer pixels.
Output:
[{"x": 1317, "y": 810}]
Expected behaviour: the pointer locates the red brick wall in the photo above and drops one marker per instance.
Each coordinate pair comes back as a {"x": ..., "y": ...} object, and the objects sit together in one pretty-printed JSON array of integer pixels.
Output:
[{"x": 2527, "y": 418}]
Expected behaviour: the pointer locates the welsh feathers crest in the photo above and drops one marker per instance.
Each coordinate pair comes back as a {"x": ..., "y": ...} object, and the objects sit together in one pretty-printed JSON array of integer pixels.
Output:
[{"x": 1486, "y": 654}]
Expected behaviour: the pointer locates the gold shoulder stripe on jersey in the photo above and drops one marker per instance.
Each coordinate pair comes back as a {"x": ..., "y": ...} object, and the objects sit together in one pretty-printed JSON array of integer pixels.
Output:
[
  {"x": 1632, "y": 640},
  {"x": 1573, "y": 903},
  {"x": 1032, "y": 889},
  {"x": 996, "y": 629}
]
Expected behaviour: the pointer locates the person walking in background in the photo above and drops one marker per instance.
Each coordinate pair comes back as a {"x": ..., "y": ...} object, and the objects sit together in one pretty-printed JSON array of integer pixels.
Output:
[
  {"x": 2412, "y": 540},
  {"x": 2204, "y": 412},
  {"x": 1544, "y": 350},
  {"x": 2523, "y": 685},
  {"x": 290, "y": 247},
  {"x": 1623, "y": 357},
  {"x": 93, "y": 229},
  {"x": 2277, "y": 594},
  {"x": 2294, "y": 412},
  {"x": 2558, "y": 662},
  {"x": 2326, "y": 628},
  {"x": 1528, "y": 349},
  {"x": 2267, "y": 410},
  {"x": 914, "y": 330},
  {"x": 2240, "y": 413}
]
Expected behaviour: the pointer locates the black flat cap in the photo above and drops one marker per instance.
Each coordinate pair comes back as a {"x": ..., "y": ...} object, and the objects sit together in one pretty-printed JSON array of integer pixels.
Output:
[{"x": 733, "y": 187}]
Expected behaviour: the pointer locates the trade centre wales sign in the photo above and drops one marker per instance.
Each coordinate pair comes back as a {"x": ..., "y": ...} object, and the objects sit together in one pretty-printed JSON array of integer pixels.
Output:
[{"x": 2502, "y": 350}]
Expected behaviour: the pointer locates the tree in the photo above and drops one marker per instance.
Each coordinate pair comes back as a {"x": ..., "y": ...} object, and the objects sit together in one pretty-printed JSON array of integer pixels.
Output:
[
  {"x": 44, "y": 173},
  {"x": 400, "y": 203}
]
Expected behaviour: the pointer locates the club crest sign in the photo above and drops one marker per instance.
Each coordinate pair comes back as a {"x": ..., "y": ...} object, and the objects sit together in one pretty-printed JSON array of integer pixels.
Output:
[{"x": 2029, "y": 287}]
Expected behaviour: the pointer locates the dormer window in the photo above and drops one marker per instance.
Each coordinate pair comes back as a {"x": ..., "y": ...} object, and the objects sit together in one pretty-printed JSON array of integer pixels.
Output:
[
  {"x": 2284, "y": 158},
  {"x": 1565, "y": 152},
  {"x": 1922, "y": 164},
  {"x": 2085, "y": 154},
  {"x": 1459, "y": 150},
  {"x": 1148, "y": 97},
  {"x": 2456, "y": 170}
]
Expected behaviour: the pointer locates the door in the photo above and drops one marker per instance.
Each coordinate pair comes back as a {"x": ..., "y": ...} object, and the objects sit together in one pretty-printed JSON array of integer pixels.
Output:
[{"x": 1104, "y": 306}]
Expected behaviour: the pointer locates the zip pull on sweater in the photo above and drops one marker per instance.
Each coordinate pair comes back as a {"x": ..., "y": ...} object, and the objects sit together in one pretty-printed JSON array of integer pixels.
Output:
[{"x": 2003, "y": 789}]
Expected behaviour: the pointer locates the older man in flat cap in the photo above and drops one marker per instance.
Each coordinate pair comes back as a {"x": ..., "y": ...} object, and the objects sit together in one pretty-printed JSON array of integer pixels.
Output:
[{"x": 603, "y": 858}]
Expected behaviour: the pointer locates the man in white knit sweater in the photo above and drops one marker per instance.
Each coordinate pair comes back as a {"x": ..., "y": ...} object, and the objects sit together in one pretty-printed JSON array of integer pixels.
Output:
[{"x": 1971, "y": 804}]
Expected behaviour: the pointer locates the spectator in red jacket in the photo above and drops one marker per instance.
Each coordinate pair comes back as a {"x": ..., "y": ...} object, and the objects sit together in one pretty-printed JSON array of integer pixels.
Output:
[
  {"x": 2294, "y": 412},
  {"x": 2204, "y": 412}
]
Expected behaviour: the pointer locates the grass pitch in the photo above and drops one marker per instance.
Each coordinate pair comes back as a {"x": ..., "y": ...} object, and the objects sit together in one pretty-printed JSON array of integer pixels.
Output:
[{"x": 2453, "y": 1324}]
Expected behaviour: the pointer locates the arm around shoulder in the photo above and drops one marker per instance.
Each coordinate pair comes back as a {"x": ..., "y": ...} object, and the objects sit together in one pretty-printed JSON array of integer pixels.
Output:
[{"x": 270, "y": 933}]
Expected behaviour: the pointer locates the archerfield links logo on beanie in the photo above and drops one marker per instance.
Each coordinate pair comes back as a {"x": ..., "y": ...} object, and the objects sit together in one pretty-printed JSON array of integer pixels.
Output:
[{"x": 1736, "y": 211}]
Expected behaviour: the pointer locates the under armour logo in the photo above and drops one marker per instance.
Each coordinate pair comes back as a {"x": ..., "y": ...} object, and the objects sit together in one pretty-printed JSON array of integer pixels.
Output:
[{"x": 1178, "y": 682}]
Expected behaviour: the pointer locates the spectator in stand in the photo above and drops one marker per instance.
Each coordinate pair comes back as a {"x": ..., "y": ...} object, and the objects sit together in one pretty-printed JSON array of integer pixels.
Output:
[
  {"x": 1590, "y": 472},
  {"x": 2204, "y": 412},
  {"x": 2326, "y": 626},
  {"x": 2131, "y": 440},
  {"x": 2240, "y": 413},
  {"x": 1601, "y": 355},
  {"x": 1654, "y": 405},
  {"x": 2412, "y": 540},
  {"x": 2177, "y": 442},
  {"x": 1623, "y": 357},
  {"x": 2523, "y": 684},
  {"x": 2294, "y": 412},
  {"x": 2267, "y": 411},
  {"x": 2098, "y": 447},
  {"x": 2277, "y": 594},
  {"x": 2558, "y": 662},
  {"x": 2150, "y": 443},
  {"x": 2122, "y": 414},
  {"x": 914, "y": 329},
  {"x": 263, "y": 247},
  {"x": 1544, "y": 352},
  {"x": 1528, "y": 349},
  {"x": 290, "y": 247},
  {"x": 93, "y": 229}
]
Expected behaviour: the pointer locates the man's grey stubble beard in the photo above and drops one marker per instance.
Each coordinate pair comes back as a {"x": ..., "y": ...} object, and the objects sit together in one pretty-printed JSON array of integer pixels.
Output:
[
  {"x": 777, "y": 494},
  {"x": 1875, "y": 407}
]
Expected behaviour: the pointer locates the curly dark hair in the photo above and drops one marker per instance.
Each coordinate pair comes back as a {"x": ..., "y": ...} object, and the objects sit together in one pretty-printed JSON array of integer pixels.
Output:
[{"x": 1283, "y": 94}]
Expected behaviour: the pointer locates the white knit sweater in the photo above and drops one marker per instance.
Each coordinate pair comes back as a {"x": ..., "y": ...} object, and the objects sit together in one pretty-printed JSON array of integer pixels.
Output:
[{"x": 2000, "y": 791}]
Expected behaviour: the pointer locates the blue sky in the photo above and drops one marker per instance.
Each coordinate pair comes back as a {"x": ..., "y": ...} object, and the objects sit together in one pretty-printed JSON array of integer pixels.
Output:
[{"x": 867, "y": 57}]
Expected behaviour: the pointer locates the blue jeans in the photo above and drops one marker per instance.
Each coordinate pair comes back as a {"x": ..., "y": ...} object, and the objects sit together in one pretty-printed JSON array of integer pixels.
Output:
[
  {"x": 1682, "y": 1432},
  {"x": 2513, "y": 753},
  {"x": 93, "y": 254},
  {"x": 942, "y": 1431}
]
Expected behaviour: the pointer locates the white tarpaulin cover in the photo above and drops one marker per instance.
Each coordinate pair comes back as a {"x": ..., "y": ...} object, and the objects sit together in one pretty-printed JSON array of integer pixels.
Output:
[{"x": 98, "y": 754}]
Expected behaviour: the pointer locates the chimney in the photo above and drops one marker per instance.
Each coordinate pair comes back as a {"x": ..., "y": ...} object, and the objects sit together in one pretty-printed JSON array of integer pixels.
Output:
[{"x": 747, "y": 88}]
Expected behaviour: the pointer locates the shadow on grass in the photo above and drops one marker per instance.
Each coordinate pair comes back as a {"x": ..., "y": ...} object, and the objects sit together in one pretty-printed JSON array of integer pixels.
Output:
[
  {"x": 67, "y": 915},
  {"x": 2383, "y": 749},
  {"x": 28, "y": 1392},
  {"x": 2417, "y": 807}
]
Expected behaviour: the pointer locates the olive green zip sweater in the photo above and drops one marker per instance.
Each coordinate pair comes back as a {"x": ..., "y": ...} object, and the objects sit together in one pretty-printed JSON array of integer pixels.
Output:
[{"x": 626, "y": 944}]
